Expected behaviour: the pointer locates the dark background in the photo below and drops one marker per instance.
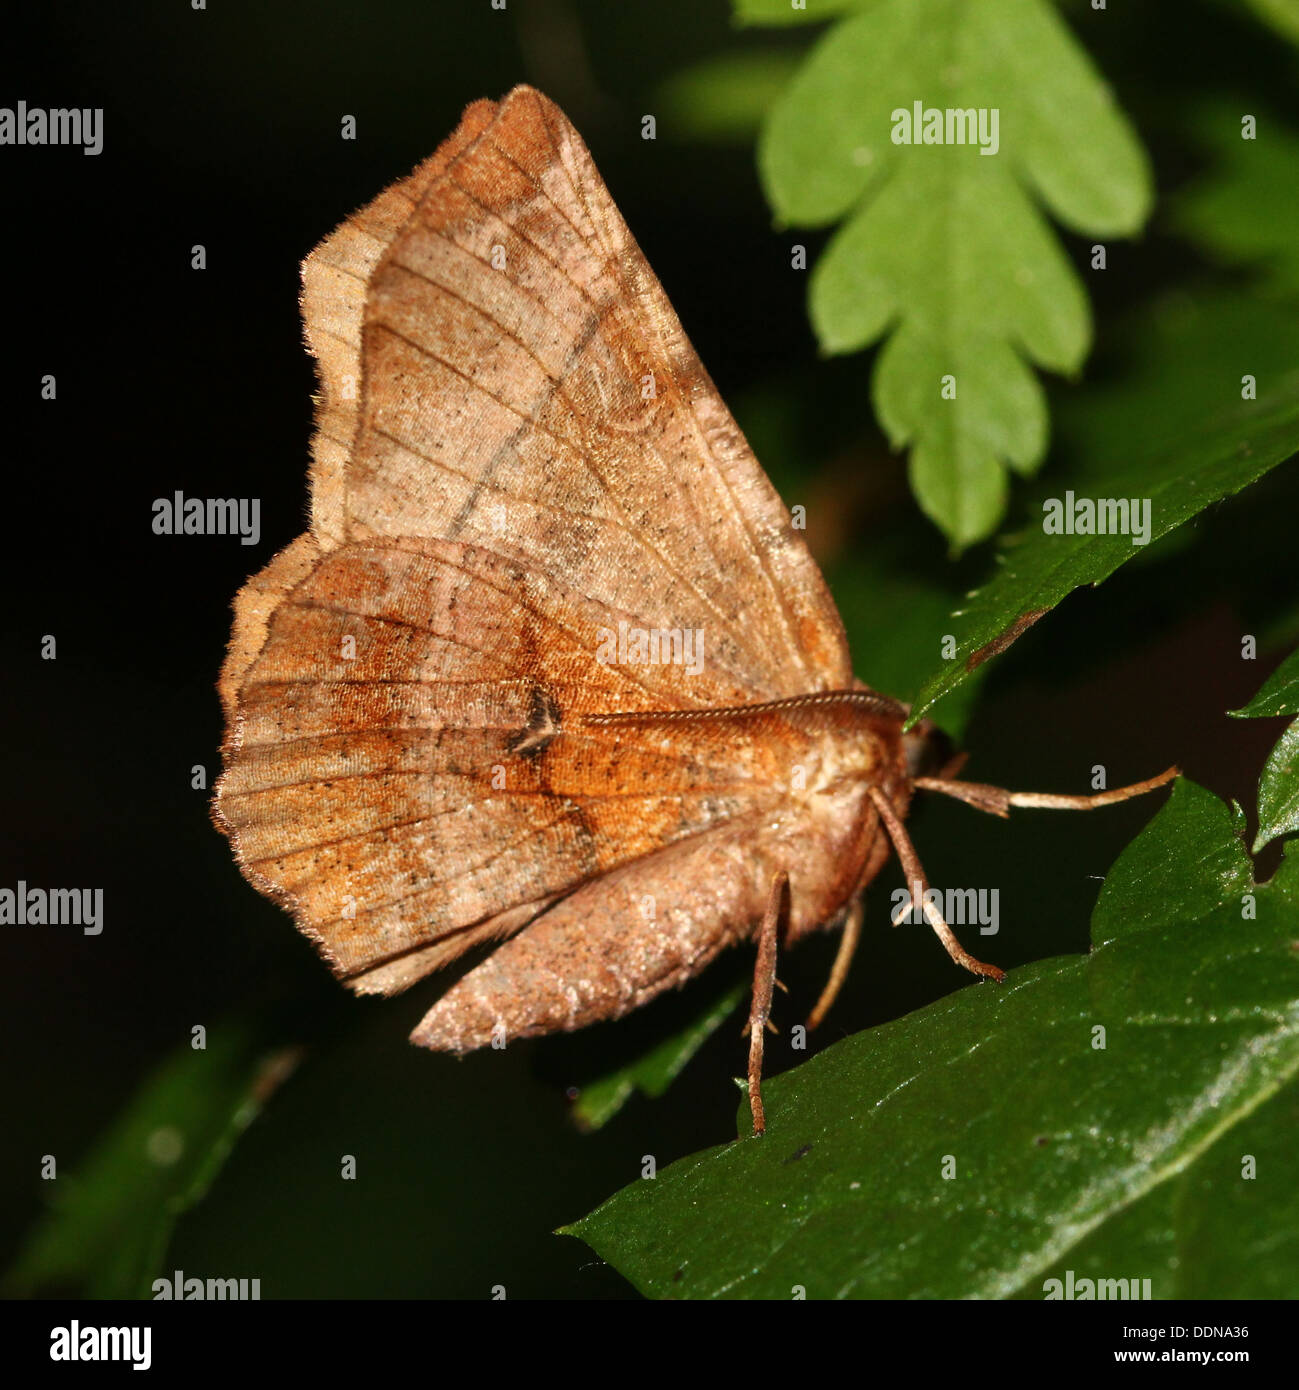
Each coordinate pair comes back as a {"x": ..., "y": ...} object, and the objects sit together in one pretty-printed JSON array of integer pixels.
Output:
[{"x": 222, "y": 128}]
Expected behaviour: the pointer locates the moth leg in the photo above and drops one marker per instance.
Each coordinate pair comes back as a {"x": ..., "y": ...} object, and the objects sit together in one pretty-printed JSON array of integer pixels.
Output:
[
  {"x": 764, "y": 979},
  {"x": 998, "y": 801},
  {"x": 915, "y": 876},
  {"x": 839, "y": 971},
  {"x": 771, "y": 1027}
]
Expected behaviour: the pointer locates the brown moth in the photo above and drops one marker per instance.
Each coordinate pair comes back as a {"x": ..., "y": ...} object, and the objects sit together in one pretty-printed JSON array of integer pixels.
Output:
[{"x": 446, "y": 722}]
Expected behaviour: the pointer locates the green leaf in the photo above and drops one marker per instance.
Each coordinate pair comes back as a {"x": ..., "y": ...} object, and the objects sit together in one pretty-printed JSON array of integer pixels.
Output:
[
  {"x": 1036, "y": 570},
  {"x": 109, "y": 1224},
  {"x": 1105, "y": 1114},
  {"x": 653, "y": 1073},
  {"x": 1278, "y": 790},
  {"x": 1164, "y": 878},
  {"x": 1279, "y": 695},
  {"x": 945, "y": 250},
  {"x": 1242, "y": 212}
]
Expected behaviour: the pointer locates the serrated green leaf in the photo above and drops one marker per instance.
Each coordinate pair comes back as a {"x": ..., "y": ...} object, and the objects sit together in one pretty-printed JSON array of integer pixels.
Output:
[
  {"x": 1094, "y": 1118},
  {"x": 944, "y": 246},
  {"x": 1278, "y": 790},
  {"x": 109, "y": 1223},
  {"x": 997, "y": 413},
  {"x": 991, "y": 273},
  {"x": 1279, "y": 695},
  {"x": 1037, "y": 570}
]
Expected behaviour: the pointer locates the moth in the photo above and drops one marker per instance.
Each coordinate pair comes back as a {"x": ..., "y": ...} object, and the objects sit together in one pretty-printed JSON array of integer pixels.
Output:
[{"x": 457, "y": 709}]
